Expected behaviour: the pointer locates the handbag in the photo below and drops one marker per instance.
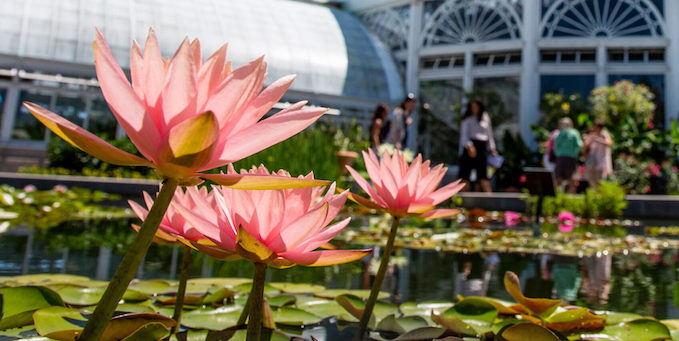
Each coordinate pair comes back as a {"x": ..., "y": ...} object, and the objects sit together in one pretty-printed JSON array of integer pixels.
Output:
[{"x": 495, "y": 161}]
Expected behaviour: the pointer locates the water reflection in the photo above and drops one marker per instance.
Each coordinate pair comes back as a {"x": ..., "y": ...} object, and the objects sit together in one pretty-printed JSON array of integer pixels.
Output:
[{"x": 643, "y": 284}]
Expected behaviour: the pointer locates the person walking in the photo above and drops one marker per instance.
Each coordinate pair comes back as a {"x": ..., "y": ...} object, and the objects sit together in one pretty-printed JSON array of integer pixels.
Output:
[
  {"x": 567, "y": 147},
  {"x": 598, "y": 160},
  {"x": 399, "y": 120},
  {"x": 476, "y": 141},
  {"x": 379, "y": 127}
]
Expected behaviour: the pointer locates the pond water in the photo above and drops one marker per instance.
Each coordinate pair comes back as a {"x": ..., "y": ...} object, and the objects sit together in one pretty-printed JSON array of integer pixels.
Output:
[{"x": 644, "y": 284}]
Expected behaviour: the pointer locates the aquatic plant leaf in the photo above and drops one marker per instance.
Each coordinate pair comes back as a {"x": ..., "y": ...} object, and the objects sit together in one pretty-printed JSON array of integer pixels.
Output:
[
  {"x": 324, "y": 308},
  {"x": 362, "y": 293},
  {"x": 644, "y": 329},
  {"x": 298, "y": 288},
  {"x": 401, "y": 325},
  {"x": 454, "y": 324},
  {"x": 424, "y": 308},
  {"x": 150, "y": 331},
  {"x": 19, "y": 303},
  {"x": 503, "y": 307},
  {"x": 153, "y": 287},
  {"x": 575, "y": 319},
  {"x": 281, "y": 300},
  {"x": 60, "y": 323},
  {"x": 212, "y": 319},
  {"x": 614, "y": 317},
  {"x": 423, "y": 333},
  {"x": 528, "y": 331},
  {"x": 294, "y": 316},
  {"x": 538, "y": 306}
]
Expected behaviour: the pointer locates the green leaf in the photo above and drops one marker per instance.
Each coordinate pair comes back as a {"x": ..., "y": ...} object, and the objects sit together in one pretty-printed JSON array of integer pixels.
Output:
[
  {"x": 153, "y": 287},
  {"x": 475, "y": 312},
  {"x": 275, "y": 336},
  {"x": 401, "y": 325},
  {"x": 245, "y": 288},
  {"x": 528, "y": 331},
  {"x": 281, "y": 300},
  {"x": 218, "y": 296},
  {"x": 298, "y": 288},
  {"x": 613, "y": 317},
  {"x": 59, "y": 323},
  {"x": 123, "y": 326},
  {"x": 424, "y": 308},
  {"x": 644, "y": 329},
  {"x": 134, "y": 308},
  {"x": 294, "y": 316},
  {"x": 85, "y": 296},
  {"x": 364, "y": 294},
  {"x": 18, "y": 304},
  {"x": 212, "y": 319},
  {"x": 150, "y": 331},
  {"x": 454, "y": 324},
  {"x": 324, "y": 308},
  {"x": 423, "y": 333}
]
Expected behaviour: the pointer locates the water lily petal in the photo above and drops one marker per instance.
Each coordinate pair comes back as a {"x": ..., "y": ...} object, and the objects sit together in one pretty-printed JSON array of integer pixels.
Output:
[
  {"x": 325, "y": 257},
  {"x": 123, "y": 101},
  {"x": 268, "y": 132},
  {"x": 251, "y": 181},
  {"x": 83, "y": 139},
  {"x": 439, "y": 213}
]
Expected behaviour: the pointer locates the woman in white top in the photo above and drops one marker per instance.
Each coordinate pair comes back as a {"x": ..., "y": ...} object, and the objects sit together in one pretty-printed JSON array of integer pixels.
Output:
[{"x": 476, "y": 141}]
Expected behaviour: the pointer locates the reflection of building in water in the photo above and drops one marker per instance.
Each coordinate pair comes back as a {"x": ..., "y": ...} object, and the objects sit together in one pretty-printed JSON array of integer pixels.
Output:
[{"x": 522, "y": 49}]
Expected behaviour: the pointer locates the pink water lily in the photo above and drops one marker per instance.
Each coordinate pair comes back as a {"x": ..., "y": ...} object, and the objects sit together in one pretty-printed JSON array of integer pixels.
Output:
[
  {"x": 402, "y": 189},
  {"x": 512, "y": 218},
  {"x": 279, "y": 227},
  {"x": 566, "y": 221},
  {"x": 186, "y": 115}
]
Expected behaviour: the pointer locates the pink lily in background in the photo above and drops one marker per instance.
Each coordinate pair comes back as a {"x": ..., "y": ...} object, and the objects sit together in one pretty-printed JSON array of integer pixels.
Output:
[
  {"x": 566, "y": 221},
  {"x": 186, "y": 115},
  {"x": 512, "y": 218},
  {"x": 404, "y": 190}
]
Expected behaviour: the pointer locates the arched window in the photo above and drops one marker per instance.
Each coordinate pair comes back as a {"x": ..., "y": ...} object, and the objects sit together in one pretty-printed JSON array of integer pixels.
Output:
[
  {"x": 470, "y": 21},
  {"x": 602, "y": 18}
]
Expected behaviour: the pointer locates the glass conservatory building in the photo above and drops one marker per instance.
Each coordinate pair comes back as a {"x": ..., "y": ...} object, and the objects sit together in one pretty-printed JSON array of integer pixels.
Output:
[
  {"x": 46, "y": 55},
  {"x": 522, "y": 49}
]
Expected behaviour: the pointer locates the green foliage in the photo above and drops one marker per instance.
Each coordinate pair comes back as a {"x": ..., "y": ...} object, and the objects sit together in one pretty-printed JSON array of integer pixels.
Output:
[
  {"x": 311, "y": 150},
  {"x": 45, "y": 209},
  {"x": 65, "y": 159},
  {"x": 607, "y": 201},
  {"x": 622, "y": 102}
]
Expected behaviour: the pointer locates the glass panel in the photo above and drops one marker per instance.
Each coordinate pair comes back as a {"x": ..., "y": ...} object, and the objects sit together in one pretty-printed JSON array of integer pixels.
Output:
[
  {"x": 72, "y": 108},
  {"x": 439, "y": 118},
  {"x": 501, "y": 97},
  {"x": 566, "y": 84},
  {"x": 657, "y": 85},
  {"x": 100, "y": 120},
  {"x": 3, "y": 93},
  {"x": 27, "y": 127}
]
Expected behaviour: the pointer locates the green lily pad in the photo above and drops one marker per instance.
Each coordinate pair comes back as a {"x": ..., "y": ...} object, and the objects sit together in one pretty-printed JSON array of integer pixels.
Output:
[
  {"x": 218, "y": 296},
  {"x": 364, "y": 294},
  {"x": 355, "y": 305},
  {"x": 141, "y": 324},
  {"x": 19, "y": 333},
  {"x": 298, "y": 288},
  {"x": 245, "y": 288},
  {"x": 281, "y": 300},
  {"x": 324, "y": 308},
  {"x": 134, "y": 308},
  {"x": 615, "y": 317},
  {"x": 212, "y": 319},
  {"x": 528, "y": 331},
  {"x": 59, "y": 323},
  {"x": 454, "y": 324},
  {"x": 218, "y": 281},
  {"x": 401, "y": 325},
  {"x": 423, "y": 333},
  {"x": 43, "y": 279},
  {"x": 275, "y": 336},
  {"x": 475, "y": 312},
  {"x": 18, "y": 304},
  {"x": 149, "y": 331},
  {"x": 85, "y": 296},
  {"x": 425, "y": 308},
  {"x": 644, "y": 329},
  {"x": 153, "y": 287},
  {"x": 294, "y": 316}
]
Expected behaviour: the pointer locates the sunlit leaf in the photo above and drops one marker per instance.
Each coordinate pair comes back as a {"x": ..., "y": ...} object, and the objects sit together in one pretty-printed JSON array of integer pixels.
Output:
[
  {"x": 294, "y": 316},
  {"x": 538, "y": 306},
  {"x": 18, "y": 304},
  {"x": 528, "y": 331},
  {"x": 575, "y": 319}
]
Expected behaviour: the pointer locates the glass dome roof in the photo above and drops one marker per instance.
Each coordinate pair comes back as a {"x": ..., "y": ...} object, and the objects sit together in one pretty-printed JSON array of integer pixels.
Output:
[{"x": 329, "y": 49}]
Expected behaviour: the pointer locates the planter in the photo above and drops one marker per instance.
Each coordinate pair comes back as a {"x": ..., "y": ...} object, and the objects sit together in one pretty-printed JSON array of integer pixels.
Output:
[{"x": 345, "y": 158}]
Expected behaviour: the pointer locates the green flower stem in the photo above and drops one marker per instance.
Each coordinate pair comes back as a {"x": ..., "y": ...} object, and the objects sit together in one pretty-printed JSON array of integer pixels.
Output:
[
  {"x": 377, "y": 285},
  {"x": 181, "y": 290},
  {"x": 245, "y": 312},
  {"x": 256, "y": 303},
  {"x": 129, "y": 265}
]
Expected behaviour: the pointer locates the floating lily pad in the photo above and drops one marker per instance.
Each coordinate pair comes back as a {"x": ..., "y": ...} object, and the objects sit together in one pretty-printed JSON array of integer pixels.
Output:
[
  {"x": 212, "y": 319},
  {"x": 19, "y": 303},
  {"x": 573, "y": 319},
  {"x": 85, "y": 296},
  {"x": 298, "y": 288},
  {"x": 245, "y": 288},
  {"x": 59, "y": 323},
  {"x": 324, "y": 308},
  {"x": 294, "y": 316},
  {"x": 364, "y": 294},
  {"x": 153, "y": 287},
  {"x": 528, "y": 331},
  {"x": 425, "y": 308},
  {"x": 281, "y": 300},
  {"x": 644, "y": 329},
  {"x": 401, "y": 325}
]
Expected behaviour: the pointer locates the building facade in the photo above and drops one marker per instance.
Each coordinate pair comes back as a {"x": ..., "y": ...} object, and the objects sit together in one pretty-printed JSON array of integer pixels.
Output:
[
  {"x": 522, "y": 49},
  {"x": 46, "y": 55}
]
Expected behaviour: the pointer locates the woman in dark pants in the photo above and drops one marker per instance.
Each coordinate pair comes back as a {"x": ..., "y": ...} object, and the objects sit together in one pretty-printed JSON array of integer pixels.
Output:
[{"x": 476, "y": 141}]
